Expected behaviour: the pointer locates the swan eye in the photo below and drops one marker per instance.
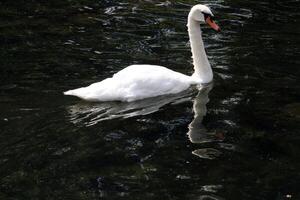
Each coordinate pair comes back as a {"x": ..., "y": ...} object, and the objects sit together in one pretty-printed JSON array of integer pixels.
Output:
[{"x": 208, "y": 15}]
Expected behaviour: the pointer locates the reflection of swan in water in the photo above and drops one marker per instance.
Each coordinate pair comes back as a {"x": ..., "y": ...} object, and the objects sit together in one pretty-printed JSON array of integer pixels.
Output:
[
  {"x": 91, "y": 113},
  {"x": 197, "y": 132},
  {"x": 88, "y": 114}
]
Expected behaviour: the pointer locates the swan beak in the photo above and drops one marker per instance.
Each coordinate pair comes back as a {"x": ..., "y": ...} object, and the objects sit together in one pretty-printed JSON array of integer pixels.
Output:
[{"x": 212, "y": 24}]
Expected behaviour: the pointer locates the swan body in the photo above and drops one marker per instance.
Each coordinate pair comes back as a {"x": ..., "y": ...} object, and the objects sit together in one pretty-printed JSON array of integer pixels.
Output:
[{"x": 137, "y": 82}]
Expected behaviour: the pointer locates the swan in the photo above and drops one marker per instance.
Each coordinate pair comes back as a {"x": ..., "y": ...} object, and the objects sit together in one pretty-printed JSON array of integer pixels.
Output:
[{"x": 137, "y": 82}]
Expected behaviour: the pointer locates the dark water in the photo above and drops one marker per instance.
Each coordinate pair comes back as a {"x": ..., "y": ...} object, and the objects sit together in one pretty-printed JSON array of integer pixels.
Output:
[{"x": 236, "y": 139}]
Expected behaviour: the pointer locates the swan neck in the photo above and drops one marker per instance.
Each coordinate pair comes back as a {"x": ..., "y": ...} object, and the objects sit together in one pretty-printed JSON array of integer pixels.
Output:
[{"x": 202, "y": 68}]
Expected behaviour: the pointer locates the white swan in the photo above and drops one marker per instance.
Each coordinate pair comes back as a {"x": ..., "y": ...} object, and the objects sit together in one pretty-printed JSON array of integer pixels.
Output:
[{"x": 143, "y": 81}]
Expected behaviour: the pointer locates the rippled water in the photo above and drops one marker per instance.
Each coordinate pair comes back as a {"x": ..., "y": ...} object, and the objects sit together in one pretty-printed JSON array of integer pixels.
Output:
[{"x": 237, "y": 138}]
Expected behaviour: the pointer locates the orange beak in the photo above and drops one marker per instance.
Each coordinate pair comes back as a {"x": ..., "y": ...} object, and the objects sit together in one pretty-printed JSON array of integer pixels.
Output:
[{"x": 212, "y": 24}]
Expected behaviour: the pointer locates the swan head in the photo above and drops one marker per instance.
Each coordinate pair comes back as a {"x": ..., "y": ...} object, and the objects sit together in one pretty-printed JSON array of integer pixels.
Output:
[{"x": 203, "y": 15}]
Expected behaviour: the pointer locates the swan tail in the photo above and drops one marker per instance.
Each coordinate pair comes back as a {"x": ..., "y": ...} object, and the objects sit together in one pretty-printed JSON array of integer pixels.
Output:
[
  {"x": 77, "y": 93},
  {"x": 70, "y": 93},
  {"x": 67, "y": 92}
]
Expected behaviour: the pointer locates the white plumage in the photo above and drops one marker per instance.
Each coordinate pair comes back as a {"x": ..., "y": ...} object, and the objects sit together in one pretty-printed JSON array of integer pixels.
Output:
[{"x": 136, "y": 82}]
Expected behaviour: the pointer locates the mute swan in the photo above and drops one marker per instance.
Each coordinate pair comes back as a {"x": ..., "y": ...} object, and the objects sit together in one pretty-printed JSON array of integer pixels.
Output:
[{"x": 143, "y": 81}]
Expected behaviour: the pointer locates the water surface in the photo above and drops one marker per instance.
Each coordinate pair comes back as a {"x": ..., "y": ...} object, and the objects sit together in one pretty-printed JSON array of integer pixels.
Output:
[{"x": 237, "y": 138}]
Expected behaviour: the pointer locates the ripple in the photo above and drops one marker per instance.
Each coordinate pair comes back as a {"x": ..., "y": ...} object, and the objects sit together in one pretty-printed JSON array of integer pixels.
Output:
[
  {"x": 228, "y": 146},
  {"x": 207, "y": 153},
  {"x": 210, "y": 197},
  {"x": 211, "y": 188}
]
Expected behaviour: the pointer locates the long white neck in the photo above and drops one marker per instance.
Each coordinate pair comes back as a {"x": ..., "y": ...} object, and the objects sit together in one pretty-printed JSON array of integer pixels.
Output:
[{"x": 202, "y": 68}]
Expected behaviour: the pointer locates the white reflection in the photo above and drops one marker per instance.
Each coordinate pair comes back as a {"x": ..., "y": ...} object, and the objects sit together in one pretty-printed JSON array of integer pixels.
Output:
[
  {"x": 92, "y": 113},
  {"x": 197, "y": 132}
]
